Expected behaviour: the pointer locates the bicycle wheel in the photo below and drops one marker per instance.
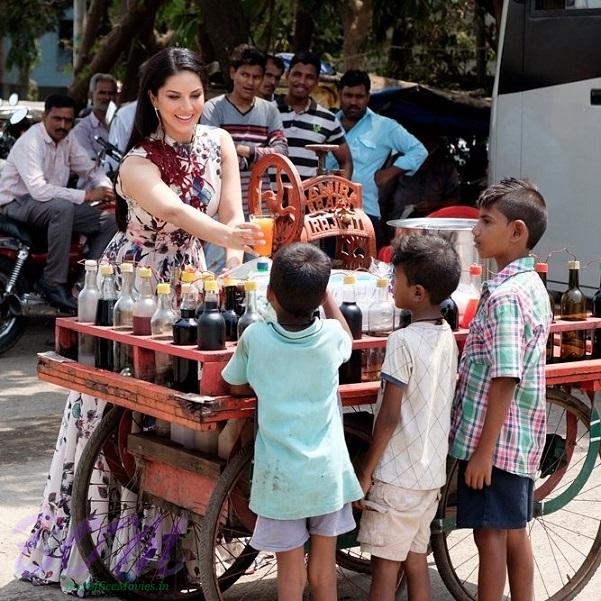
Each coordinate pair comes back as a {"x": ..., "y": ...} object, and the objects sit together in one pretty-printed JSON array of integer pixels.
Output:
[
  {"x": 226, "y": 554},
  {"x": 566, "y": 530},
  {"x": 141, "y": 547}
]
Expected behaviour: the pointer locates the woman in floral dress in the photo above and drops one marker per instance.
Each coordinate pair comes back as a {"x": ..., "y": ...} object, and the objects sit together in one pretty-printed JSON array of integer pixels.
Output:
[{"x": 176, "y": 176}]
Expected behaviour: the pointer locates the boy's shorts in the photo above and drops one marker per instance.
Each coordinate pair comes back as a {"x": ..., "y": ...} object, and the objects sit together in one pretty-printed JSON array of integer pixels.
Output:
[
  {"x": 397, "y": 520},
  {"x": 504, "y": 505},
  {"x": 284, "y": 535}
]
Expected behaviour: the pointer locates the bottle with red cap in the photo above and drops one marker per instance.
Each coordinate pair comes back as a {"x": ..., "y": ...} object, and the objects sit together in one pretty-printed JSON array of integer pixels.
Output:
[
  {"x": 473, "y": 295},
  {"x": 542, "y": 269}
]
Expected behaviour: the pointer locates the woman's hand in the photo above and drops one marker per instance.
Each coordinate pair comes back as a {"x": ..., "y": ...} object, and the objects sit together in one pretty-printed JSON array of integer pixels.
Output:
[{"x": 243, "y": 237}]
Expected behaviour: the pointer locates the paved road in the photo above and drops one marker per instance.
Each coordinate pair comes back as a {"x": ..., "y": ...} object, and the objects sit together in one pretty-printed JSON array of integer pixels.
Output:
[{"x": 30, "y": 413}]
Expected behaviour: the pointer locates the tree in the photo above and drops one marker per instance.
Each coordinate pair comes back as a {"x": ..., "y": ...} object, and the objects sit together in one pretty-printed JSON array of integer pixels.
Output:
[
  {"x": 357, "y": 20},
  {"x": 24, "y": 22}
]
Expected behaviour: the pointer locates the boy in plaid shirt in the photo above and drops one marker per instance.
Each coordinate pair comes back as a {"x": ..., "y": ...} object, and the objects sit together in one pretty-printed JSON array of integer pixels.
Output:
[{"x": 498, "y": 421}]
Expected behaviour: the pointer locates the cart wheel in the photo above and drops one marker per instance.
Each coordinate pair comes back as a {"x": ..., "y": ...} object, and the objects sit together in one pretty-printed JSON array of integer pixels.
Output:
[
  {"x": 227, "y": 556},
  {"x": 566, "y": 530},
  {"x": 148, "y": 547}
]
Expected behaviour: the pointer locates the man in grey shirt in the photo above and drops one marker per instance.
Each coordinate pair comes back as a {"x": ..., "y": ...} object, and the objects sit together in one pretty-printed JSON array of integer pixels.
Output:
[{"x": 103, "y": 90}]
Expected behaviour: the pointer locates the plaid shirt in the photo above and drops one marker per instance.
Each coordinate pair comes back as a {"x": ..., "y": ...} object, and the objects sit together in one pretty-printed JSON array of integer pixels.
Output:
[{"x": 507, "y": 339}]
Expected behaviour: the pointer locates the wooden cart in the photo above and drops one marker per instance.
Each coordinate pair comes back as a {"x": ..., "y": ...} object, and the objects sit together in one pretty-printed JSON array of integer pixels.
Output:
[{"x": 166, "y": 522}]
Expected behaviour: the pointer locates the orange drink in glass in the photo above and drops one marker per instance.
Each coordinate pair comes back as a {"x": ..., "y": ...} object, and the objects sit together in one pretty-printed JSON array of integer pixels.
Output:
[{"x": 265, "y": 222}]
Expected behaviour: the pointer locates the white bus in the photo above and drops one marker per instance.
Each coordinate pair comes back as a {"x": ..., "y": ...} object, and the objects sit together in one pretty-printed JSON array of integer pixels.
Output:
[{"x": 546, "y": 121}]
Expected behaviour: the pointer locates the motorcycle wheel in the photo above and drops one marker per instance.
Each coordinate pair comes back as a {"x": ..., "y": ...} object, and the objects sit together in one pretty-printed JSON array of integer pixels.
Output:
[{"x": 11, "y": 327}]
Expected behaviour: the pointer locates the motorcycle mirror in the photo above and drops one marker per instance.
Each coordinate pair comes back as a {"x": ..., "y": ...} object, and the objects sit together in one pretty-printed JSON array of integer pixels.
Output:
[
  {"x": 17, "y": 116},
  {"x": 110, "y": 112},
  {"x": 13, "y": 99}
]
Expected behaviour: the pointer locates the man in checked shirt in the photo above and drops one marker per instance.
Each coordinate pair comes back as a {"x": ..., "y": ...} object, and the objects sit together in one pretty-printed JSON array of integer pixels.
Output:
[{"x": 498, "y": 420}]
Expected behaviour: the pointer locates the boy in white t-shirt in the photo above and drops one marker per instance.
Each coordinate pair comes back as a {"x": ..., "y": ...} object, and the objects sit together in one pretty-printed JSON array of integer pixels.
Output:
[{"x": 406, "y": 464}]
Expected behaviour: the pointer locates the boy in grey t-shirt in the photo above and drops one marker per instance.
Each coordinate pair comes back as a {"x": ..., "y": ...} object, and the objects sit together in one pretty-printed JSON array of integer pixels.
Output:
[{"x": 405, "y": 466}]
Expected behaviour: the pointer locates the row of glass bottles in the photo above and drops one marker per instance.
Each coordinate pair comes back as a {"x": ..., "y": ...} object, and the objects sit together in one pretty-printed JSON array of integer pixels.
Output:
[{"x": 572, "y": 307}]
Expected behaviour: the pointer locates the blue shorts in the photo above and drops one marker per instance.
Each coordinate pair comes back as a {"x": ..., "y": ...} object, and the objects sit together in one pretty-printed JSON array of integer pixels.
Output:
[
  {"x": 504, "y": 505},
  {"x": 284, "y": 535}
]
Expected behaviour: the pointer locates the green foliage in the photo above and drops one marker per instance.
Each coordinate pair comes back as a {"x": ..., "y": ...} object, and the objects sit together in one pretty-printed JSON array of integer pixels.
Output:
[{"x": 24, "y": 22}]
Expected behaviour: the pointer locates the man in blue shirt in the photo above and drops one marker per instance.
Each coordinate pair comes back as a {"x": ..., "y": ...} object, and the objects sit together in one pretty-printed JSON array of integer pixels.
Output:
[{"x": 371, "y": 139}]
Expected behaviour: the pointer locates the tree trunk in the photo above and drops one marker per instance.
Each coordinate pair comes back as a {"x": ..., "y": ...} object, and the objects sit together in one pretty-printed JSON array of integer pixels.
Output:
[
  {"x": 226, "y": 28},
  {"x": 115, "y": 43},
  {"x": 90, "y": 34},
  {"x": 397, "y": 55},
  {"x": 304, "y": 25},
  {"x": 356, "y": 21}
]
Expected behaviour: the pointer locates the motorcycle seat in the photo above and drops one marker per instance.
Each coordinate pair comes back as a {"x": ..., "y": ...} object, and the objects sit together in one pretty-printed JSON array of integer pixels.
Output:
[{"x": 16, "y": 229}]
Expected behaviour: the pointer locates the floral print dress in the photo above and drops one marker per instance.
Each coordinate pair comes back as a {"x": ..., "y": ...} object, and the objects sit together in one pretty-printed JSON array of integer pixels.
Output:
[{"x": 193, "y": 172}]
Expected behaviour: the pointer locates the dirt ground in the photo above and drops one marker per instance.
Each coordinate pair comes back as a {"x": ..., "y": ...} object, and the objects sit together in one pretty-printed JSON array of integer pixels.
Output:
[{"x": 30, "y": 413}]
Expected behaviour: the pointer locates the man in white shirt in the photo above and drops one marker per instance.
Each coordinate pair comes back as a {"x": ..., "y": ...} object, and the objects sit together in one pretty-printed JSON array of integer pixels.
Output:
[
  {"x": 103, "y": 90},
  {"x": 33, "y": 190}
]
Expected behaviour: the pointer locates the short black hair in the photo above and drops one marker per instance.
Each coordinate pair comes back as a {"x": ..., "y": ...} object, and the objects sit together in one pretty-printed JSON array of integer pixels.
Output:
[
  {"x": 306, "y": 58},
  {"x": 245, "y": 54},
  {"x": 355, "y": 77},
  {"x": 430, "y": 261},
  {"x": 276, "y": 60},
  {"x": 518, "y": 199},
  {"x": 299, "y": 277},
  {"x": 58, "y": 101}
]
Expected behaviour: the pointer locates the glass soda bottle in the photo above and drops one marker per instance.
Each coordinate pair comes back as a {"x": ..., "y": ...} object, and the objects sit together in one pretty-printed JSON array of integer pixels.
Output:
[
  {"x": 542, "y": 269},
  {"x": 251, "y": 314},
  {"x": 449, "y": 310},
  {"x": 211, "y": 325},
  {"x": 596, "y": 300},
  {"x": 185, "y": 333},
  {"x": 473, "y": 295},
  {"x": 351, "y": 370},
  {"x": 161, "y": 328},
  {"x": 145, "y": 304},
  {"x": 104, "y": 317},
  {"x": 573, "y": 308},
  {"x": 123, "y": 315},
  {"x": 380, "y": 322},
  {"x": 229, "y": 310},
  {"x": 87, "y": 302}
]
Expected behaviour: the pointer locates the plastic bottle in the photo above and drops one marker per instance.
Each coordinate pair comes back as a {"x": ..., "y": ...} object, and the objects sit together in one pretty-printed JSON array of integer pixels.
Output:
[
  {"x": 351, "y": 370},
  {"x": 449, "y": 310},
  {"x": 261, "y": 276},
  {"x": 145, "y": 304},
  {"x": 542, "y": 270},
  {"x": 104, "y": 317},
  {"x": 189, "y": 276},
  {"x": 123, "y": 315},
  {"x": 596, "y": 302},
  {"x": 380, "y": 314},
  {"x": 473, "y": 294},
  {"x": 87, "y": 302},
  {"x": 185, "y": 333},
  {"x": 573, "y": 308},
  {"x": 251, "y": 315},
  {"x": 380, "y": 323},
  {"x": 211, "y": 325},
  {"x": 161, "y": 328},
  {"x": 229, "y": 310}
]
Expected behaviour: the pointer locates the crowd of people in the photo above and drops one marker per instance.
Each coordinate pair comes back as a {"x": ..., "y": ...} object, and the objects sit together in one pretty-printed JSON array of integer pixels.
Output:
[{"x": 179, "y": 186}]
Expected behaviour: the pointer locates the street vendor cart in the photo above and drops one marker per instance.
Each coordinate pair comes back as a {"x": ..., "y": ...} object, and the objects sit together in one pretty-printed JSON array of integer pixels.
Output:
[{"x": 163, "y": 521}]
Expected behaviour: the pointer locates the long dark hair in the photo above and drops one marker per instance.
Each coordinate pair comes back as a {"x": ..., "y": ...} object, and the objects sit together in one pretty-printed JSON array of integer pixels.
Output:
[{"x": 155, "y": 72}]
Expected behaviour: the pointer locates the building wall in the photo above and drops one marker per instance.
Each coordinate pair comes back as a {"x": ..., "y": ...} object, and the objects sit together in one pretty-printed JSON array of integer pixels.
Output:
[{"x": 53, "y": 72}]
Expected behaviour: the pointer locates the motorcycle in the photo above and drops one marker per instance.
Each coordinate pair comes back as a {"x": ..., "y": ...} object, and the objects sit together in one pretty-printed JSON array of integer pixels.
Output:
[{"x": 23, "y": 256}]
